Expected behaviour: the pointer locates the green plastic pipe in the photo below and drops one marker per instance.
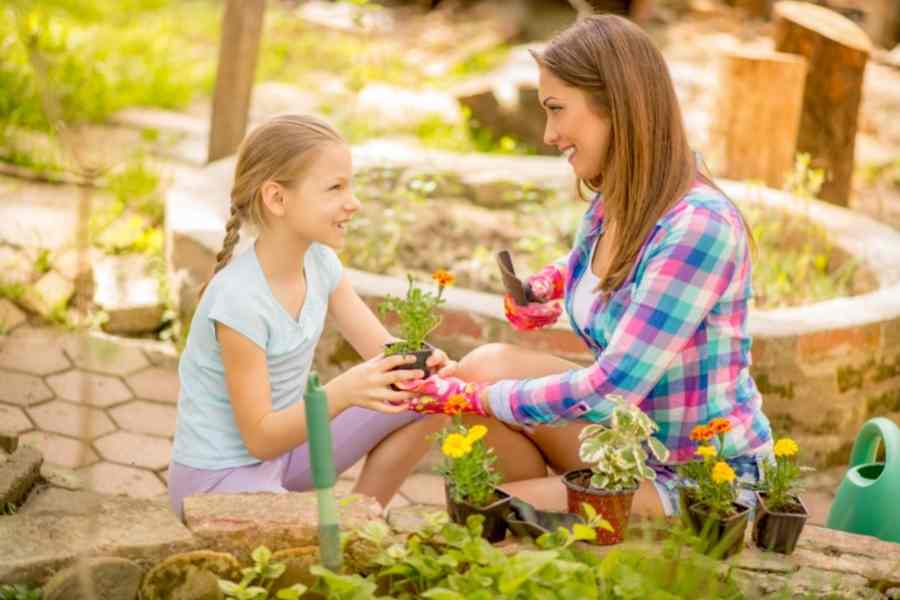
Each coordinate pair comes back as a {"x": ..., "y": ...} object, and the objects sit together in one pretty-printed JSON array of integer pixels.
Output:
[{"x": 321, "y": 455}]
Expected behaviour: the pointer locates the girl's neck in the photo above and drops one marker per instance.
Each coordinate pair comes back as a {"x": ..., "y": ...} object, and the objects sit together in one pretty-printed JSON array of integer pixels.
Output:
[{"x": 279, "y": 254}]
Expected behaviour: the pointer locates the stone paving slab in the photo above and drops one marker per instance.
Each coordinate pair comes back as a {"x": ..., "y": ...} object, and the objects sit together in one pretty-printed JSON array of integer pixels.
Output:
[
  {"x": 89, "y": 388},
  {"x": 14, "y": 419},
  {"x": 59, "y": 449},
  {"x": 35, "y": 545},
  {"x": 69, "y": 419},
  {"x": 104, "y": 355},
  {"x": 145, "y": 417},
  {"x": 37, "y": 355},
  {"x": 22, "y": 389},
  {"x": 135, "y": 449},
  {"x": 110, "y": 478},
  {"x": 156, "y": 383}
]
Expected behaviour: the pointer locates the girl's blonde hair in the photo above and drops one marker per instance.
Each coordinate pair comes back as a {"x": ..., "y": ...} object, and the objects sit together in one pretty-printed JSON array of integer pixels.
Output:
[
  {"x": 279, "y": 150},
  {"x": 649, "y": 164}
]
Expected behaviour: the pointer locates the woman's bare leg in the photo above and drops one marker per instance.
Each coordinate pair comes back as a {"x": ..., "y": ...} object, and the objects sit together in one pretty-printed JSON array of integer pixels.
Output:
[
  {"x": 390, "y": 462},
  {"x": 523, "y": 453}
]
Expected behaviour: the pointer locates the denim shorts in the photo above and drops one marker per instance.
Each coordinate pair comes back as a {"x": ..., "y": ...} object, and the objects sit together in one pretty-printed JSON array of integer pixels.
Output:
[{"x": 748, "y": 470}]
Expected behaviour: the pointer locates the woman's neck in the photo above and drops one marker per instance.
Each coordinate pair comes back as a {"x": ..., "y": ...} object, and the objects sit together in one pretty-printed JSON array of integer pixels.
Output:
[{"x": 280, "y": 254}]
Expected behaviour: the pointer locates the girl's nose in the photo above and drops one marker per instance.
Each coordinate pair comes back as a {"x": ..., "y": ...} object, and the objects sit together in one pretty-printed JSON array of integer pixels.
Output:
[{"x": 354, "y": 204}]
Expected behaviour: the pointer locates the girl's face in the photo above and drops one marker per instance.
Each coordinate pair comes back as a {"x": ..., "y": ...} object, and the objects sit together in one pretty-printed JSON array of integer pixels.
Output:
[
  {"x": 574, "y": 126},
  {"x": 319, "y": 207}
]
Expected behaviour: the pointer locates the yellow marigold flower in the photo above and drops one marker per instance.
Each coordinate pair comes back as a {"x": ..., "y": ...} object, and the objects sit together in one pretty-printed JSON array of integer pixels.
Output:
[
  {"x": 476, "y": 433},
  {"x": 706, "y": 451},
  {"x": 456, "y": 446},
  {"x": 443, "y": 277},
  {"x": 786, "y": 447},
  {"x": 701, "y": 433},
  {"x": 722, "y": 472},
  {"x": 720, "y": 425},
  {"x": 455, "y": 404}
]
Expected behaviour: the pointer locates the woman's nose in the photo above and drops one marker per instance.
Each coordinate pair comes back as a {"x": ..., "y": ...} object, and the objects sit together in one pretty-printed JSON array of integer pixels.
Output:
[{"x": 550, "y": 135}]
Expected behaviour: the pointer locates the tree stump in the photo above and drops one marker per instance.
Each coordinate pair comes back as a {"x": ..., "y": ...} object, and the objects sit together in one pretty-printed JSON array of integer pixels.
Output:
[
  {"x": 836, "y": 51},
  {"x": 238, "y": 49},
  {"x": 755, "y": 130}
]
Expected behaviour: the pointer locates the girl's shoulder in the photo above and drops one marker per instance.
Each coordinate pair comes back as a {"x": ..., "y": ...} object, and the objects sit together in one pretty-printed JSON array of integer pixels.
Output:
[{"x": 328, "y": 264}]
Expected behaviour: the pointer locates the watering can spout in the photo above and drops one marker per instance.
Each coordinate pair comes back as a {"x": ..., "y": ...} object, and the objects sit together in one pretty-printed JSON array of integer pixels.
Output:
[{"x": 868, "y": 499}]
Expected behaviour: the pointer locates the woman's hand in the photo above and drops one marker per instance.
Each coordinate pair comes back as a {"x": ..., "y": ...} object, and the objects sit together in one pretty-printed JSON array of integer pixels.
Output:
[
  {"x": 367, "y": 385},
  {"x": 545, "y": 285},
  {"x": 441, "y": 363},
  {"x": 531, "y": 316},
  {"x": 448, "y": 396}
]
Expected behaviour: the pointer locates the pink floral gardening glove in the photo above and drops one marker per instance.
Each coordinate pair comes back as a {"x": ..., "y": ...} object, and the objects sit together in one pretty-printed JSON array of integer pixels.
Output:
[
  {"x": 543, "y": 287},
  {"x": 445, "y": 396}
]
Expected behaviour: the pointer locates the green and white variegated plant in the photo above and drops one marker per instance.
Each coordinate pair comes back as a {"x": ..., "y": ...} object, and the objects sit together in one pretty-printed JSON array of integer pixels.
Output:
[{"x": 616, "y": 451}]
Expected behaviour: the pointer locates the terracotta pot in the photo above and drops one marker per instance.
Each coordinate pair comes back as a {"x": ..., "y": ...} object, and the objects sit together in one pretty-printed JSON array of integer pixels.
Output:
[
  {"x": 722, "y": 537},
  {"x": 615, "y": 507},
  {"x": 778, "y": 531},
  {"x": 494, "y": 527}
]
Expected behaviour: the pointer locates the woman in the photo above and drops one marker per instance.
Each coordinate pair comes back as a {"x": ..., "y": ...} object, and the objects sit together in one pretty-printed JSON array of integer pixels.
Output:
[{"x": 657, "y": 284}]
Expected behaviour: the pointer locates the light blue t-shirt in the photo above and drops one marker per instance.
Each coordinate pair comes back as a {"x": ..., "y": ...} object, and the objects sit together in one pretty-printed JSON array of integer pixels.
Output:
[{"x": 206, "y": 435}]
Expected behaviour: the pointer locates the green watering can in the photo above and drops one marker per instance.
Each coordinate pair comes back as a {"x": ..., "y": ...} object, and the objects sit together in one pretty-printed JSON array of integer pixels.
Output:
[{"x": 868, "y": 499}]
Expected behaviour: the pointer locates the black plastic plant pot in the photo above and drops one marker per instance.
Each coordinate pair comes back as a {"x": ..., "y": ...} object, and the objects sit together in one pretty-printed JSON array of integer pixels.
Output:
[
  {"x": 495, "y": 514},
  {"x": 421, "y": 357},
  {"x": 779, "y": 531},
  {"x": 722, "y": 537},
  {"x": 524, "y": 520}
]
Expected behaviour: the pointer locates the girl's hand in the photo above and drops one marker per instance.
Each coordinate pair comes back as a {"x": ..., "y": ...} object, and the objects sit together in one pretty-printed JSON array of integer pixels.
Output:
[
  {"x": 440, "y": 362},
  {"x": 367, "y": 385}
]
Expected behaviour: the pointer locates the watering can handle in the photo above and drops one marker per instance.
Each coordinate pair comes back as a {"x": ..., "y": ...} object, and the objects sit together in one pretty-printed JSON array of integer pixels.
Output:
[{"x": 866, "y": 442}]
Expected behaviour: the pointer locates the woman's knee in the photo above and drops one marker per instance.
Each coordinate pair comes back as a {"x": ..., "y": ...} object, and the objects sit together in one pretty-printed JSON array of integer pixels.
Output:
[{"x": 484, "y": 363}]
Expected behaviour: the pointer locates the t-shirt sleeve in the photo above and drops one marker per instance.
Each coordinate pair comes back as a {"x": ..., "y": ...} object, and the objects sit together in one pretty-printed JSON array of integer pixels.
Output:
[
  {"x": 237, "y": 310},
  {"x": 331, "y": 266}
]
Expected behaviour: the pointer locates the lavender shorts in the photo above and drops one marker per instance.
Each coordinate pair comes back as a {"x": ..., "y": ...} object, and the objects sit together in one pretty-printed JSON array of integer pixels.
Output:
[{"x": 354, "y": 433}]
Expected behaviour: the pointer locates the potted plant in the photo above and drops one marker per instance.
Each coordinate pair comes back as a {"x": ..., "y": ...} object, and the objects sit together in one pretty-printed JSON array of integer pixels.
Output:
[
  {"x": 781, "y": 513},
  {"x": 618, "y": 461},
  {"x": 470, "y": 479},
  {"x": 709, "y": 496},
  {"x": 418, "y": 317}
]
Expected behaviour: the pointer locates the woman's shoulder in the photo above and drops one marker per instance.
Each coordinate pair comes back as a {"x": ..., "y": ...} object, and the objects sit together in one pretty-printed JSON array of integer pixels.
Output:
[{"x": 705, "y": 205}]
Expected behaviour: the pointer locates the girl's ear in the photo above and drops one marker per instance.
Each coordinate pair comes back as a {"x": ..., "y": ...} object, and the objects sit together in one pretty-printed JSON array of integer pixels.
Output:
[{"x": 273, "y": 198}]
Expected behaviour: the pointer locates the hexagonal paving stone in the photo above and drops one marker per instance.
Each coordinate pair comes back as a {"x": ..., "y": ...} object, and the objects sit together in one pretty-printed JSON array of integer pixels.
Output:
[
  {"x": 14, "y": 419},
  {"x": 108, "y": 478},
  {"x": 135, "y": 449},
  {"x": 89, "y": 388},
  {"x": 35, "y": 353},
  {"x": 10, "y": 315},
  {"x": 60, "y": 450},
  {"x": 62, "y": 417},
  {"x": 156, "y": 383},
  {"x": 95, "y": 353},
  {"x": 145, "y": 417},
  {"x": 23, "y": 390}
]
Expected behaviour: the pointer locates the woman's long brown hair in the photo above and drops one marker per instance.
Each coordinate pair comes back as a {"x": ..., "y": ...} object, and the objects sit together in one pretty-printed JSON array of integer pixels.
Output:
[{"x": 649, "y": 164}]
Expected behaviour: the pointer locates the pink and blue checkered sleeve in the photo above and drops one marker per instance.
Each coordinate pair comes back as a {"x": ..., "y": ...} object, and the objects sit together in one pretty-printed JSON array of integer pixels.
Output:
[{"x": 680, "y": 279}]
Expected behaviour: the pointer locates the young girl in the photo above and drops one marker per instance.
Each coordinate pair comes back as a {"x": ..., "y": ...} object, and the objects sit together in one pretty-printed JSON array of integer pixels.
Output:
[
  {"x": 657, "y": 284},
  {"x": 241, "y": 424}
]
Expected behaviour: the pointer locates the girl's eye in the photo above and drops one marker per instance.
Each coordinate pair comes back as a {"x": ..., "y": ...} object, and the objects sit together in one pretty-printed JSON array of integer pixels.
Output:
[
  {"x": 336, "y": 186},
  {"x": 554, "y": 108}
]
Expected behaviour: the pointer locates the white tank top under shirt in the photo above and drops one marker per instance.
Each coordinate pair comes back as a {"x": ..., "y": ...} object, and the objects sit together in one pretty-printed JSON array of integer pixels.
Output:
[{"x": 583, "y": 295}]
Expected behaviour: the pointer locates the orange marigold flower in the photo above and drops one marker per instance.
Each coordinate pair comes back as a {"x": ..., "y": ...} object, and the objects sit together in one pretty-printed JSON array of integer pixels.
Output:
[
  {"x": 702, "y": 433},
  {"x": 720, "y": 425},
  {"x": 455, "y": 404},
  {"x": 443, "y": 277}
]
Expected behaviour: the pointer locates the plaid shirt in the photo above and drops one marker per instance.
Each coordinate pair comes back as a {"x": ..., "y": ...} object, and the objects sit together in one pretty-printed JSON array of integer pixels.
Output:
[{"x": 673, "y": 339}]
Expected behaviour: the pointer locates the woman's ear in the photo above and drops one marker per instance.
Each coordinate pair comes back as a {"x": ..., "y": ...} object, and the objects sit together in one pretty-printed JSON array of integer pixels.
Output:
[{"x": 273, "y": 198}]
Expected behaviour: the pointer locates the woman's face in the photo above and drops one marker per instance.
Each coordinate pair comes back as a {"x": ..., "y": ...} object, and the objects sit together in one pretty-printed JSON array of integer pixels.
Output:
[{"x": 574, "y": 126}]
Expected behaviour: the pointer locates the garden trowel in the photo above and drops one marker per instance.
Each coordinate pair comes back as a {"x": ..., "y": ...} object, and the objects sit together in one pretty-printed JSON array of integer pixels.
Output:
[{"x": 520, "y": 293}]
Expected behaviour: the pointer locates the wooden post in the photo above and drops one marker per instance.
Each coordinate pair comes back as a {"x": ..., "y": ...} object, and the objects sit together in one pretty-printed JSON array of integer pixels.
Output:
[
  {"x": 883, "y": 22},
  {"x": 238, "y": 49},
  {"x": 836, "y": 50},
  {"x": 758, "y": 116}
]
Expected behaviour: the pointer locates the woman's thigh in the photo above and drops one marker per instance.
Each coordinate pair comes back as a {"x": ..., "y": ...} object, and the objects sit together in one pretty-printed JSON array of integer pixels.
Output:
[{"x": 556, "y": 446}]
